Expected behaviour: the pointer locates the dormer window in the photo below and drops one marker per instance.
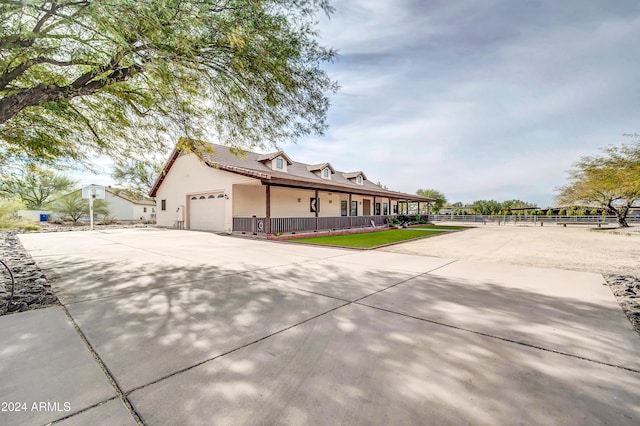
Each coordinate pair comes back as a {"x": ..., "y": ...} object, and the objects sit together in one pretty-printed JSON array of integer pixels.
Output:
[
  {"x": 359, "y": 180},
  {"x": 325, "y": 173},
  {"x": 279, "y": 163}
]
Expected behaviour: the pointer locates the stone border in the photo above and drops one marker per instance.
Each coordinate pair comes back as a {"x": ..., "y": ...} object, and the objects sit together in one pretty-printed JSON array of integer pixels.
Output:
[
  {"x": 626, "y": 289},
  {"x": 31, "y": 290}
]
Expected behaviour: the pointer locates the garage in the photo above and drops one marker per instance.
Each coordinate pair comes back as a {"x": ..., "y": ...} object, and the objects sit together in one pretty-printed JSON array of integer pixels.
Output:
[{"x": 206, "y": 212}]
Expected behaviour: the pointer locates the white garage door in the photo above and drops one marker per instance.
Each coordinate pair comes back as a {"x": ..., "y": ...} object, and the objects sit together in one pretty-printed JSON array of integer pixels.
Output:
[{"x": 206, "y": 212}]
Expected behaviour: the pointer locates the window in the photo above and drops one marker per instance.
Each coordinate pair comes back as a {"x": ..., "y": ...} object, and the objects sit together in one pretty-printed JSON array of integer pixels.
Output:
[
  {"x": 354, "y": 208},
  {"x": 377, "y": 213},
  {"x": 359, "y": 180},
  {"x": 325, "y": 173},
  {"x": 163, "y": 205},
  {"x": 279, "y": 163},
  {"x": 385, "y": 209},
  {"x": 211, "y": 196},
  {"x": 343, "y": 207},
  {"x": 194, "y": 198},
  {"x": 144, "y": 209},
  {"x": 153, "y": 209},
  {"x": 395, "y": 209},
  {"x": 202, "y": 197},
  {"x": 220, "y": 195}
]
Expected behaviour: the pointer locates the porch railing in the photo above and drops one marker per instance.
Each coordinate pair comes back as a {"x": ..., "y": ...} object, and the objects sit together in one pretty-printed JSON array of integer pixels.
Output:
[{"x": 302, "y": 224}]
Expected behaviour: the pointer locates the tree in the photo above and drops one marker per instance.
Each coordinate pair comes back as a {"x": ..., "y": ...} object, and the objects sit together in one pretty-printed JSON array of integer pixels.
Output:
[
  {"x": 486, "y": 207},
  {"x": 120, "y": 77},
  {"x": 439, "y": 197},
  {"x": 73, "y": 206},
  {"x": 516, "y": 204},
  {"x": 136, "y": 176},
  {"x": 610, "y": 180},
  {"x": 36, "y": 187}
]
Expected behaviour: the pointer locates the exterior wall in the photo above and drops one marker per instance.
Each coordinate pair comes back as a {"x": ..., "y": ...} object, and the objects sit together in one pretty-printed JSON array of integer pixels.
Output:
[
  {"x": 32, "y": 215},
  {"x": 138, "y": 211},
  {"x": 284, "y": 202},
  {"x": 189, "y": 176},
  {"x": 249, "y": 200},
  {"x": 119, "y": 208}
]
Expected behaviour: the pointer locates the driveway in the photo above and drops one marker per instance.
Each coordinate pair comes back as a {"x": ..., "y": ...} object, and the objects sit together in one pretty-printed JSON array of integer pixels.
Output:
[{"x": 169, "y": 327}]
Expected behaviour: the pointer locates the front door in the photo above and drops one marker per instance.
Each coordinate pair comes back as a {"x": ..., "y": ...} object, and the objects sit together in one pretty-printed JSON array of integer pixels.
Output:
[{"x": 366, "y": 207}]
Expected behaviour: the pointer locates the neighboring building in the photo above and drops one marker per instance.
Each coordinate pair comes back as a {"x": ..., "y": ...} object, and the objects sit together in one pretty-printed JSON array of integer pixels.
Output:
[
  {"x": 123, "y": 207},
  {"x": 268, "y": 193}
]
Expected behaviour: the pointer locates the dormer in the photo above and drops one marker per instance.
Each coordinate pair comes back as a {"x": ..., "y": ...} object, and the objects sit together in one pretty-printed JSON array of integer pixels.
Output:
[
  {"x": 278, "y": 161},
  {"x": 323, "y": 170},
  {"x": 355, "y": 177}
]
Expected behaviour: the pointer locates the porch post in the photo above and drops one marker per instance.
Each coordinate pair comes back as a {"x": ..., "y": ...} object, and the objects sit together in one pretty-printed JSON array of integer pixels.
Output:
[
  {"x": 374, "y": 205},
  {"x": 349, "y": 211},
  {"x": 267, "y": 219}
]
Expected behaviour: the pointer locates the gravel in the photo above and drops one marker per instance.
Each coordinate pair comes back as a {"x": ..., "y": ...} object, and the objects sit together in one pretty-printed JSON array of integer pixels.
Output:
[
  {"x": 626, "y": 288},
  {"x": 31, "y": 289}
]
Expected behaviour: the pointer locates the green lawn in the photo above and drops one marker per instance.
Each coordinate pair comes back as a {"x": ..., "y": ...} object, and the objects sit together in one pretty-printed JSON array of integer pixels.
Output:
[{"x": 367, "y": 239}]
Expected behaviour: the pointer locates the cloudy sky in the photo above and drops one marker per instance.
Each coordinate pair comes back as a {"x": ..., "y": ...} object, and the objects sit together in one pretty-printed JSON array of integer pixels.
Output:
[
  {"x": 478, "y": 99},
  {"x": 490, "y": 99}
]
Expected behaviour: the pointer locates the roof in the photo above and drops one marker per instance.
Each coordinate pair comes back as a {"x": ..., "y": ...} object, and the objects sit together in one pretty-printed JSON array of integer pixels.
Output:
[
  {"x": 269, "y": 157},
  {"x": 297, "y": 175},
  {"x": 321, "y": 166},
  {"x": 122, "y": 193}
]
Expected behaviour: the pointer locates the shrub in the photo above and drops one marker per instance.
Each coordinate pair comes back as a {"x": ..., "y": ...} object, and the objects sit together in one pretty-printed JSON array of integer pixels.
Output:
[
  {"x": 9, "y": 213},
  {"x": 31, "y": 228}
]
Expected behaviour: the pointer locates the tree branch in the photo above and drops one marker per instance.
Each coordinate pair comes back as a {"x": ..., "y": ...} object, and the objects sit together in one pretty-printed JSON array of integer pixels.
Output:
[{"x": 82, "y": 86}]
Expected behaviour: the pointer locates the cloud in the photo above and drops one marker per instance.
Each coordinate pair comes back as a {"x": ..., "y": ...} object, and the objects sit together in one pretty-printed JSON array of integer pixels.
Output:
[{"x": 478, "y": 99}]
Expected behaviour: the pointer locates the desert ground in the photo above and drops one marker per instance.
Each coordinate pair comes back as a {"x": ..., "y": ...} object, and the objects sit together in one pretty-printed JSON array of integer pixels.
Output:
[{"x": 578, "y": 248}]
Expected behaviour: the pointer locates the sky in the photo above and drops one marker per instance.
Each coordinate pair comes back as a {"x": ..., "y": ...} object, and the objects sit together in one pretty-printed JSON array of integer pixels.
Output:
[{"x": 477, "y": 99}]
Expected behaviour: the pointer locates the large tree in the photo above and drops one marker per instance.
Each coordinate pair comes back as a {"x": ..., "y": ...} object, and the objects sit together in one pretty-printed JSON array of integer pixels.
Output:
[
  {"x": 610, "y": 180},
  {"x": 123, "y": 77},
  {"x": 440, "y": 198},
  {"x": 35, "y": 188},
  {"x": 136, "y": 177}
]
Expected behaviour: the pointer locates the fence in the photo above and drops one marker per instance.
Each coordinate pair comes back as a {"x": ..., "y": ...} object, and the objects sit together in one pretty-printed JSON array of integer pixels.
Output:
[
  {"x": 532, "y": 219},
  {"x": 302, "y": 224}
]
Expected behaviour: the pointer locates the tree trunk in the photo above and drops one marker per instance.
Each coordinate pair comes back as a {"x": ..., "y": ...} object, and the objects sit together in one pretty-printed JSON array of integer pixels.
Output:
[{"x": 621, "y": 215}]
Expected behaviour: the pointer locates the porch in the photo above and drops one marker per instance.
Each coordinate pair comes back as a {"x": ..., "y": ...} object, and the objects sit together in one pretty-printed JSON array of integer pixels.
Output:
[
  {"x": 284, "y": 225},
  {"x": 287, "y": 225}
]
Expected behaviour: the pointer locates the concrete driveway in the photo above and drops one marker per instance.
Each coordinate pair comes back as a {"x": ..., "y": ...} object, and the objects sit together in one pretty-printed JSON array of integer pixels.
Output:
[{"x": 171, "y": 327}]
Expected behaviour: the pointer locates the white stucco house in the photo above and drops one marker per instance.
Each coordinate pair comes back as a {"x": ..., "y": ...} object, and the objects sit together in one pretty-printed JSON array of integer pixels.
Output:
[
  {"x": 267, "y": 193},
  {"x": 123, "y": 207}
]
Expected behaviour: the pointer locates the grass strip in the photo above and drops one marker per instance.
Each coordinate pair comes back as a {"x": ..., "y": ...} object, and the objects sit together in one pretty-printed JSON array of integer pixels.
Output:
[{"x": 367, "y": 239}]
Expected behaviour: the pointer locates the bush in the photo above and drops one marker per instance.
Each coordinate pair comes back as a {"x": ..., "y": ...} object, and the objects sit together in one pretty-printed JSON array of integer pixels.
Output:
[
  {"x": 31, "y": 228},
  {"x": 9, "y": 213}
]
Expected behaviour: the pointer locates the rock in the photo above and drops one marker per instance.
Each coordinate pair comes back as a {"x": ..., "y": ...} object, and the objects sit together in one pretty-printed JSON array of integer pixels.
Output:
[{"x": 31, "y": 288}]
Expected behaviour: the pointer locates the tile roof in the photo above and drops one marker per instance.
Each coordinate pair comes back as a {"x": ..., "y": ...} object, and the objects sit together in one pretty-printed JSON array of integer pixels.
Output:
[{"x": 297, "y": 175}]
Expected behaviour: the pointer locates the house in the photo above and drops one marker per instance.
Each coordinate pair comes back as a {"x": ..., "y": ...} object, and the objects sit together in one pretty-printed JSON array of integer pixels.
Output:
[
  {"x": 268, "y": 193},
  {"x": 121, "y": 206}
]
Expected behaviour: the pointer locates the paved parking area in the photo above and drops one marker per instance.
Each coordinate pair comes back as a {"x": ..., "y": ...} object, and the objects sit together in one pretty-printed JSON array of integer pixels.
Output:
[{"x": 172, "y": 327}]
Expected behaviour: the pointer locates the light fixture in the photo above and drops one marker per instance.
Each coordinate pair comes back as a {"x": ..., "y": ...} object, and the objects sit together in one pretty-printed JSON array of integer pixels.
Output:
[
  {"x": 330, "y": 201},
  {"x": 226, "y": 197},
  {"x": 299, "y": 199}
]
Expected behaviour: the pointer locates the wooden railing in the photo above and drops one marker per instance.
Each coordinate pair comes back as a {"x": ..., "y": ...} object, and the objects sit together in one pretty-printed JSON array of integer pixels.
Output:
[{"x": 283, "y": 225}]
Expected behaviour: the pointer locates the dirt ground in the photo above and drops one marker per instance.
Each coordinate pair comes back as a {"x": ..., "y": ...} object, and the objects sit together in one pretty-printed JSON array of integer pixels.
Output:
[{"x": 576, "y": 248}]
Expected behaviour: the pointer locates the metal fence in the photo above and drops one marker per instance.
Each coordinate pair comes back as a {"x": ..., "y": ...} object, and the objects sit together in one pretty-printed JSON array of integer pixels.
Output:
[{"x": 500, "y": 219}]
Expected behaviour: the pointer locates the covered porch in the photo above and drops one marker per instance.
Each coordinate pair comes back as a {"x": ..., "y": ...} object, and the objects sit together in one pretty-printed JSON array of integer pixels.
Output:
[{"x": 281, "y": 209}]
